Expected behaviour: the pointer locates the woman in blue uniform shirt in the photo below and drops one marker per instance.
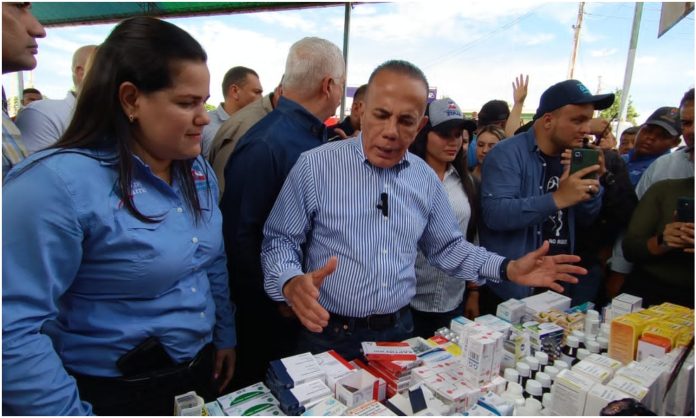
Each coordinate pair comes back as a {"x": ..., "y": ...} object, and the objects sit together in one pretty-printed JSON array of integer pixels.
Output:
[{"x": 115, "y": 293}]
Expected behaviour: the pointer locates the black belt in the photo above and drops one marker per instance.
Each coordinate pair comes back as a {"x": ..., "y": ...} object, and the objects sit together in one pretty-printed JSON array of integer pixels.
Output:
[
  {"x": 150, "y": 393},
  {"x": 376, "y": 322}
]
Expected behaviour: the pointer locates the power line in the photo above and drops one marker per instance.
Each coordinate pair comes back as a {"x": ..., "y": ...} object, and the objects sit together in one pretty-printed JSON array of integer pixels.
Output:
[{"x": 456, "y": 52}]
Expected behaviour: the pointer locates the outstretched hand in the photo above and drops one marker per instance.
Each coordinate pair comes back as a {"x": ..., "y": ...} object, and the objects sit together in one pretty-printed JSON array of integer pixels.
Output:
[
  {"x": 519, "y": 88},
  {"x": 302, "y": 293},
  {"x": 536, "y": 269}
]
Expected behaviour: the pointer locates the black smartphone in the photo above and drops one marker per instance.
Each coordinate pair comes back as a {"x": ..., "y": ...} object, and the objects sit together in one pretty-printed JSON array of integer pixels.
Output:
[
  {"x": 685, "y": 209},
  {"x": 147, "y": 356},
  {"x": 584, "y": 157}
]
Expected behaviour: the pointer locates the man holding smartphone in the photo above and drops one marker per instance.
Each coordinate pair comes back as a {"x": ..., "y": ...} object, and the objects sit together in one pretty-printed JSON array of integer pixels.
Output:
[{"x": 528, "y": 194}]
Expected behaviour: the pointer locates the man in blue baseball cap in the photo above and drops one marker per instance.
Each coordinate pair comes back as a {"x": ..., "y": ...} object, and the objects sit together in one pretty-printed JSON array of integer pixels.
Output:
[{"x": 527, "y": 194}]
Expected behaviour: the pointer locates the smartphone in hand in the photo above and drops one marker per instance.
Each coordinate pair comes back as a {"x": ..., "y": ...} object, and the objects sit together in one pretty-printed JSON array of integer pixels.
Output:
[
  {"x": 584, "y": 157},
  {"x": 685, "y": 209}
]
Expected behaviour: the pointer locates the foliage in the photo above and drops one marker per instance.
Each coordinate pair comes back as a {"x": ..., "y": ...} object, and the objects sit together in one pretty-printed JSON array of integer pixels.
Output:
[{"x": 611, "y": 111}]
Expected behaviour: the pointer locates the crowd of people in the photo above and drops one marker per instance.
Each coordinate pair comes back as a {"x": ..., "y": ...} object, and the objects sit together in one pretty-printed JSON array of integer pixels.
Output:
[{"x": 152, "y": 247}]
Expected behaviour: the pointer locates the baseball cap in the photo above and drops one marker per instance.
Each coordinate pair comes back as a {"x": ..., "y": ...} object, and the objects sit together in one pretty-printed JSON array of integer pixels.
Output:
[
  {"x": 445, "y": 114},
  {"x": 668, "y": 118},
  {"x": 493, "y": 111},
  {"x": 571, "y": 92}
]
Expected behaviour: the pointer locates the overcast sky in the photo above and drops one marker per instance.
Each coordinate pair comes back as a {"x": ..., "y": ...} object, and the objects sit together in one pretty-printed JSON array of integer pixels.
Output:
[{"x": 470, "y": 50}]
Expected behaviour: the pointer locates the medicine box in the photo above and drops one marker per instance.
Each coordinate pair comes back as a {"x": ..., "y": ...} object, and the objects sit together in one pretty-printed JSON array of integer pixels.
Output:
[
  {"x": 459, "y": 323},
  {"x": 594, "y": 371},
  {"x": 495, "y": 324},
  {"x": 623, "y": 340},
  {"x": 295, "y": 370},
  {"x": 252, "y": 406},
  {"x": 360, "y": 387},
  {"x": 243, "y": 395},
  {"x": 213, "y": 409},
  {"x": 544, "y": 302},
  {"x": 334, "y": 366},
  {"x": 605, "y": 361},
  {"x": 512, "y": 311},
  {"x": 649, "y": 346},
  {"x": 326, "y": 407},
  {"x": 370, "y": 409},
  {"x": 388, "y": 351},
  {"x": 625, "y": 303},
  {"x": 570, "y": 393},
  {"x": 624, "y": 384},
  {"x": 599, "y": 396}
]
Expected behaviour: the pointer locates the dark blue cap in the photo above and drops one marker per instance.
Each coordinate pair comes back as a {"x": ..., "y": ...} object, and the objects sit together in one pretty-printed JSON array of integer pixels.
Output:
[{"x": 571, "y": 92}]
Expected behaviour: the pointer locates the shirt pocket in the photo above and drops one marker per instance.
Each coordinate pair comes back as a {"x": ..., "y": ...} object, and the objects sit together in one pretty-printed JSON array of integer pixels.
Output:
[{"x": 143, "y": 238}]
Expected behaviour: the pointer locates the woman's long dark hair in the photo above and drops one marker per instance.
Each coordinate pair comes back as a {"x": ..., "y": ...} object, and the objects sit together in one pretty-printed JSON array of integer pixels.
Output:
[
  {"x": 419, "y": 147},
  {"x": 144, "y": 51}
]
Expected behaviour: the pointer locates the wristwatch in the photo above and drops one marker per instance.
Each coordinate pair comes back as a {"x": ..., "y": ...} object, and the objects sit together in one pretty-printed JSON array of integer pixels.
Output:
[{"x": 503, "y": 270}]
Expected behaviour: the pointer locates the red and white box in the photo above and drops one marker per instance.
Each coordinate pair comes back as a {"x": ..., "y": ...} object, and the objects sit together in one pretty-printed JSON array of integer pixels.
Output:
[
  {"x": 388, "y": 351},
  {"x": 360, "y": 387}
]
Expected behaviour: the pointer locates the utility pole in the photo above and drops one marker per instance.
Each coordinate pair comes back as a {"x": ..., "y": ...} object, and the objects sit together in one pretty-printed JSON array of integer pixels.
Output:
[
  {"x": 576, "y": 40},
  {"x": 346, "y": 37},
  {"x": 630, "y": 61}
]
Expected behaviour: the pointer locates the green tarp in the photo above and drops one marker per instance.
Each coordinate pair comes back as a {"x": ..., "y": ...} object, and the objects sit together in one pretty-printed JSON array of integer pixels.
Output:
[{"x": 74, "y": 13}]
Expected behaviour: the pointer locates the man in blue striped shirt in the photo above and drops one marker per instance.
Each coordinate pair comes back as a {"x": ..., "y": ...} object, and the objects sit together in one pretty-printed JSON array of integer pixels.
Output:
[{"x": 353, "y": 213}]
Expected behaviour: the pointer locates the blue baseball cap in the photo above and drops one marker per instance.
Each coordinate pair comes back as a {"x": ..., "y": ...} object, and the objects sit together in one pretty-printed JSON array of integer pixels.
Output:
[{"x": 571, "y": 92}]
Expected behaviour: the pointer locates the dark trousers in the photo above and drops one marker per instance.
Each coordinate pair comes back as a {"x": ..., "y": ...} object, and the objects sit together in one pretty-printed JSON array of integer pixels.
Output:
[
  {"x": 150, "y": 393},
  {"x": 426, "y": 323},
  {"x": 345, "y": 335},
  {"x": 588, "y": 286},
  {"x": 488, "y": 301},
  {"x": 263, "y": 334}
]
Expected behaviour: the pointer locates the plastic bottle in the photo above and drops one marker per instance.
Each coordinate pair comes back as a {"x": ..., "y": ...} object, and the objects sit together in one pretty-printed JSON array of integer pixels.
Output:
[
  {"x": 581, "y": 338},
  {"x": 546, "y": 401},
  {"x": 513, "y": 394},
  {"x": 561, "y": 365},
  {"x": 533, "y": 366},
  {"x": 532, "y": 407},
  {"x": 604, "y": 330},
  {"x": 519, "y": 408},
  {"x": 534, "y": 389},
  {"x": 525, "y": 372},
  {"x": 603, "y": 345},
  {"x": 569, "y": 353},
  {"x": 592, "y": 327},
  {"x": 582, "y": 354},
  {"x": 543, "y": 359},
  {"x": 593, "y": 347},
  {"x": 511, "y": 375},
  {"x": 552, "y": 372},
  {"x": 545, "y": 380}
]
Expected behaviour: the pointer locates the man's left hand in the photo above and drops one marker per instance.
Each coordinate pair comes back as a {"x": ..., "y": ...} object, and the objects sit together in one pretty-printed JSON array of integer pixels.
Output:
[
  {"x": 225, "y": 360},
  {"x": 536, "y": 269}
]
